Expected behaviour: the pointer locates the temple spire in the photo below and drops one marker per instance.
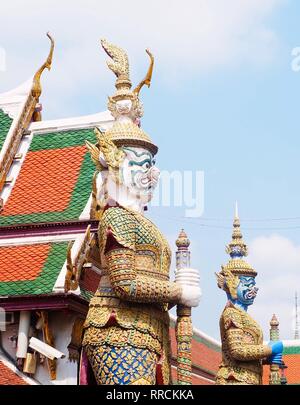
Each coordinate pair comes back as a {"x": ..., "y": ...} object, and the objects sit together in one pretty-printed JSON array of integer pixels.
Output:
[
  {"x": 236, "y": 213},
  {"x": 237, "y": 247}
]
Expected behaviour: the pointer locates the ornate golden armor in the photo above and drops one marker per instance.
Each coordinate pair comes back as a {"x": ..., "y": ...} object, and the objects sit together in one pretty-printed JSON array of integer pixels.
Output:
[
  {"x": 242, "y": 348},
  {"x": 129, "y": 307}
]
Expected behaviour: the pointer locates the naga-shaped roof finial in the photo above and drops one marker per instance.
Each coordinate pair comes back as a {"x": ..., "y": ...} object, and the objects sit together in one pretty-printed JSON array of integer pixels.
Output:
[{"x": 36, "y": 90}]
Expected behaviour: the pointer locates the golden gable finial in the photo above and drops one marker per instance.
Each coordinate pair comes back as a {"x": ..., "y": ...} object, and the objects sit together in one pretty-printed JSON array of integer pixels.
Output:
[
  {"x": 36, "y": 90},
  {"x": 147, "y": 80}
]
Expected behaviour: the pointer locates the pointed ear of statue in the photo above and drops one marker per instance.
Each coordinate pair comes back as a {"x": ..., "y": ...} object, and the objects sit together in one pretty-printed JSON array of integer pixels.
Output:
[
  {"x": 220, "y": 280},
  {"x": 228, "y": 281},
  {"x": 112, "y": 155},
  {"x": 95, "y": 155}
]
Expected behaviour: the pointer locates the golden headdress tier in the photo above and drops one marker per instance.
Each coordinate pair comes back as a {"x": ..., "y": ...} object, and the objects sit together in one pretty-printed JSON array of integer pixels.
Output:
[
  {"x": 125, "y": 105},
  {"x": 237, "y": 247},
  {"x": 130, "y": 134},
  {"x": 228, "y": 277}
]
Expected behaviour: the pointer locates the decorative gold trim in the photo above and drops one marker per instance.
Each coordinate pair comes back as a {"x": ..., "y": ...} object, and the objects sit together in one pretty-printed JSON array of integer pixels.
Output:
[
  {"x": 147, "y": 80},
  {"x": 76, "y": 340},
  {"x": 49, "y": 339},
  {"x": 74, "y": 268}
]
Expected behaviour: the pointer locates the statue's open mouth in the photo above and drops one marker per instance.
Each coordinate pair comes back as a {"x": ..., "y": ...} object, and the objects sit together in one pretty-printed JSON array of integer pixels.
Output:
[
  {"x": 251, "y": 294},
  {"x": 147, "y": 183}
]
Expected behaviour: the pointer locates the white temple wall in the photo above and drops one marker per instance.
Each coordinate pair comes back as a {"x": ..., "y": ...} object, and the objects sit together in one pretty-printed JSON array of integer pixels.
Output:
[{"x": 61, "y": 324}]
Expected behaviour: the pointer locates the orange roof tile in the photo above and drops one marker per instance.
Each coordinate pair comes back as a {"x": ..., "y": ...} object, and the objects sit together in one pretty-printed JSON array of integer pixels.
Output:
[
  {"x": 8, "y": 377},
  {"x": 55, "y": 180},
  {"x": 21, "y": 263},
  {"x": 292, "y": 361},
  {"x": 292, "y": 372},
  {"x": 46, "y": 181}
]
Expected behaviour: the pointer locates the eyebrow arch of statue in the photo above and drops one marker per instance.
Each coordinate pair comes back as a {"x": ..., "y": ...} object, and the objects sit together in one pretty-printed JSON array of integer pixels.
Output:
[
  {"x": 137, "y": 154},
  {"x": 134, "y": 162}
]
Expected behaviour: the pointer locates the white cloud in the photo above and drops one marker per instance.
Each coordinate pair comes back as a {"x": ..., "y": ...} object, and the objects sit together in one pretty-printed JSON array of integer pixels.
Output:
[
  {"x": 277, "y": 261},
  {"x": 198, "y": 35}
]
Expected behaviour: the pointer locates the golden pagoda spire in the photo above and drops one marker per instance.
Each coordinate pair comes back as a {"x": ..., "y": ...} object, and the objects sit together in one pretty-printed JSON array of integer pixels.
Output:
[{"x": 237, "y": 247}]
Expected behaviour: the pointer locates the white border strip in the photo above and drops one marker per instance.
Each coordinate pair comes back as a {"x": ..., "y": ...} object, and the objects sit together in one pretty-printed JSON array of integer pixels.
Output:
[
  {"x": 291, "y": 343},
  {"x": 102, "y": 119},
  {"x": 32, "y": 240},
  {"x": 288, "y": 343}
]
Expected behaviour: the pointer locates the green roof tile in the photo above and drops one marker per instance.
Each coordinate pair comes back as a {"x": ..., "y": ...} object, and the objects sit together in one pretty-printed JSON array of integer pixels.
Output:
[{"x": 5, "y": 124}]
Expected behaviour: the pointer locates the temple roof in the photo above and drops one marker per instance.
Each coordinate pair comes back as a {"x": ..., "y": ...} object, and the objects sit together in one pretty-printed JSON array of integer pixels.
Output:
[
  {"x": 34, "y": 269},
  {"x": 30, "y": 269},
  {"x": 9, "y": 375},
  {"x": 54, "y": 182},
  {"x": 45, "y": 178}
]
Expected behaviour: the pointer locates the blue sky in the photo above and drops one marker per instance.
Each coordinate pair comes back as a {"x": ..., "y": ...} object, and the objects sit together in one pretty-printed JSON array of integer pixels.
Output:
[{"x": 223, "y": 100}]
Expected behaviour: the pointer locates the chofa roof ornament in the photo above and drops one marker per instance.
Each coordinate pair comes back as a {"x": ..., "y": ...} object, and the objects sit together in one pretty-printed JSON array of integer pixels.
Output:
[{"x": 37, "y": 88}]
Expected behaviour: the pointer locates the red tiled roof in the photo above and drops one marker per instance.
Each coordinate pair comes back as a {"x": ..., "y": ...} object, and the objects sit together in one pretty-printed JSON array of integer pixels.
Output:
[
  {"x": 292, "y": 361},
  {"x": 292, "y": 372},
  {"x": 55, "y": 180},
  {"x": 22, "y": 263},
  {"x": 8, "y": 377},
  {"x": 46, "y": 181}
]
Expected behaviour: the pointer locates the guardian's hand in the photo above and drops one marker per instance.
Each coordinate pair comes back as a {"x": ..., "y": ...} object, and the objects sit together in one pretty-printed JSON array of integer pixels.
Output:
[
  {"x": 277, "y": 349},
  {"x": 189, "y": 280},
  {"x": 190, "y": 296}
]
